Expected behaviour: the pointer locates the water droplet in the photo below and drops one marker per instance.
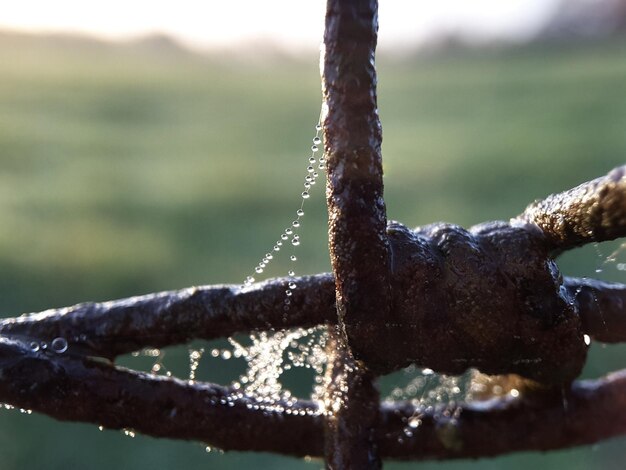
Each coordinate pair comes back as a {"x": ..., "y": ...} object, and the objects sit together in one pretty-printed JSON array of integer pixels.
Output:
[
  {"x": 268, "y": 256},
  {"x": 100, "y": 428},
  {"x": 293, "y": 258},
  {"x": 317, "y": 140},
  {"x": 288, "y": 293},
  {"x": 300, "y": 212},
  {"x": 291, "y": 273},
  {"x": 258, "y": 270},
  {"x": 276, "y": 248},
  {"x": 279, "y": 243},
  {"x": 307, "y": 185},
  {"x": 305, "y": 195},
  {"x": 261, "y": 264},
  {"x": 295, "y": 224},
  {"x": 308, "y": 178},
  {"x": 414, "y": 422},
  {"x": 312, "y": 160},
  {"x": 315, "y": 174},
  {"x": 318, "y": 127},
  {"x": 226, "y": 354},
  {"x": 310, "y": 169},
  {"x": 292, "y": 285},
  {"x": 587, "y": 339},
  {"x": 314, "y": 148},
  {"x": 34, "y": 346},
  {"x": 288, "y": 231},
  {"x": 295, "y": 241},
  {"x": 321, "y": 166},
  {"x": 249, "y": 280}
]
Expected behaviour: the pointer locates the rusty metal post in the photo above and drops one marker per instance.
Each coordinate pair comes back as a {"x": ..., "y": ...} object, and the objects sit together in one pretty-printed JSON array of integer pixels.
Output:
[{"x": 357, "y": 229}]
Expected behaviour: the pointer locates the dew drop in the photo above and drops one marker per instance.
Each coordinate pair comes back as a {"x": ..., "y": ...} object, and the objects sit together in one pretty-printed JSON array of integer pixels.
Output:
[
  {"x": 414, "y": 422},
  {"x": 310, "y": 169},
  {"x": 226, "y": 354},
  {"x": 318, "y": 127},
  {"x": 293, "y": 258},
  {"x": 288, "y": 231},
  {"x": 300, "y": 212},
  {"x": 312, "y": 160},
  {"x": 258, "y": 270},
  {"x": 249, "y": 280},
  {"x": 295, "y": 224},
  {"x": 288, "y": 293},
  {"x": 276, "y": 248},
  {"x": 295, "y": 241},
  {"x": 292, "y": 285},
  {"x": 268, "y": 256},
  {"x": 587, "y": 339},
  {"x": 317, "y": 140},
  {"x": 307, "y": 185},
  {"x": 314, "y": 148},
  {"x": 34, "y": 346},
  {"x": 305, "y": 195}
]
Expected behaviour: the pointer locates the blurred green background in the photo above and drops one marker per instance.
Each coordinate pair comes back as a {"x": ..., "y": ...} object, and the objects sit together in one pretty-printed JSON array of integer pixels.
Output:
[{"x": 138, "y": 167}]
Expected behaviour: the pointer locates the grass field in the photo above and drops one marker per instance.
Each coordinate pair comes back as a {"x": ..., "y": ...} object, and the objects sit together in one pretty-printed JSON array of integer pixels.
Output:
[{"x": 132, "y": 168}]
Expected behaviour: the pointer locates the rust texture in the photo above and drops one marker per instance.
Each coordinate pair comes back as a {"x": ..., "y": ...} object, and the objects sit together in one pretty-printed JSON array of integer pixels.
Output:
[
  {"x": 357, "y": 238},
  {"x": 109, "y": 329},
  {"x": 354, "y": 193},
  {"x": 351, "y": 406},
  {"x": 592, "y": 212},
  {"x": 77, "y": 389},
  {"x": 602, "y": 308},
  {"x": 489, "y": 297}
]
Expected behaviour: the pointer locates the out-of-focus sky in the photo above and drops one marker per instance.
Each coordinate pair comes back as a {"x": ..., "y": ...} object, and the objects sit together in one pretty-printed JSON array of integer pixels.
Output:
[{"x": 290, "y": 24}]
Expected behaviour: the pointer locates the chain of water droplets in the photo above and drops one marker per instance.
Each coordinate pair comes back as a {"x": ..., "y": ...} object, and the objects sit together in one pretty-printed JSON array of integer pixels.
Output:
[{"x": 290, "y": 234}]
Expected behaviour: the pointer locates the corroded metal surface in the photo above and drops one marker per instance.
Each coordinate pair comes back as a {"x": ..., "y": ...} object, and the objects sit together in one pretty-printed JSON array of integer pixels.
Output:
[
  {"x": 595, "y": 211},
  {"x": 108, "y": 329},
  {"x": 78, "y": 389},
  {"x": 357, "y": 238},
  {"x": 354, "y": 192}
]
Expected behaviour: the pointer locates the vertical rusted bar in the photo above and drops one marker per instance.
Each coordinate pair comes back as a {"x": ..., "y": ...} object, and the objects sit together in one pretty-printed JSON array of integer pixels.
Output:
[{"x": 357, "y": 223}]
